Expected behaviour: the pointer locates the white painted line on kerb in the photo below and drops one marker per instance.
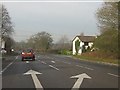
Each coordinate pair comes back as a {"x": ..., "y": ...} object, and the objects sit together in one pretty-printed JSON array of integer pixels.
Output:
[
  {"x": 53, "y": 67},
  {"x": 84, "y": 67},
  {"x": 43, "y": 62},
  {"x": 113, "y": 75}
]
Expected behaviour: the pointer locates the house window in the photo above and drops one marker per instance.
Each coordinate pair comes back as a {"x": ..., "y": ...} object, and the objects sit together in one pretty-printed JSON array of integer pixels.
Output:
[{"x": 86, "y": 43}]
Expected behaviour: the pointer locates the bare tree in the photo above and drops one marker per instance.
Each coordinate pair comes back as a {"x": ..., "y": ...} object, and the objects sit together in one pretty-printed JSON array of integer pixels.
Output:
[
  {"x": 41, "y": 41},
  {"x": 6, "y": 24},
  {"x": 6, "y": 28},
  {"x": 63, "y": 43}
]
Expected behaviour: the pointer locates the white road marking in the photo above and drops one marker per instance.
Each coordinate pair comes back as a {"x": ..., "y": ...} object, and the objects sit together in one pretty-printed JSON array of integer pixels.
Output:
[
  {"x": 16, "y": 57},
  {"x": 7, "y": 67},
  {"x": 79, "y": 81},
  {"x": 43, "y": 62},
  {"x": 84, "y": 67},
  {"x": 53, "y": 61},
  {"x": 66, "y": 62},
  {"x": 53, "y": 67},
  {"x": 27, "y": 61},
  {"x": 113, "y": 75},
  {"x": 35, "y": 79}
]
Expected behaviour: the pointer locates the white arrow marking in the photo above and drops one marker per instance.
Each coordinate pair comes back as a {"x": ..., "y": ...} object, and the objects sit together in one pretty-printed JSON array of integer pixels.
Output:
[
  {"x": 79, "y": 80},
  {"x": 35, "y": 79}
]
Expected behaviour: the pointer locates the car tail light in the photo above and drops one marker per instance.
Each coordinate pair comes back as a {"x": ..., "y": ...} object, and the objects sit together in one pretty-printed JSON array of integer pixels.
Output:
[{"x": 23, "y": 53}]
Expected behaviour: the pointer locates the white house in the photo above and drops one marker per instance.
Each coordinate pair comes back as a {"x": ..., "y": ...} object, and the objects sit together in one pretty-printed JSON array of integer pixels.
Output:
[{"x": 85, "y": 41}]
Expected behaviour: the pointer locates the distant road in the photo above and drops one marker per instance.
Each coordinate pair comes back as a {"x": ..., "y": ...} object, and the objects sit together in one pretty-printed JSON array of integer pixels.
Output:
[{"x": 57, "y": 71}]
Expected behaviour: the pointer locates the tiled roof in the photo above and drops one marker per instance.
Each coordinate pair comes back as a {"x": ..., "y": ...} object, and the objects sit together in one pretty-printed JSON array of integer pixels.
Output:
[{"x": 86, "y": 38}]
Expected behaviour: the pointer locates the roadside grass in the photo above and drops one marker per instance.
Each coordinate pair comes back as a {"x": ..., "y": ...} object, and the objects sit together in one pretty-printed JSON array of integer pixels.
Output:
[{"x": 100, "y": 56}]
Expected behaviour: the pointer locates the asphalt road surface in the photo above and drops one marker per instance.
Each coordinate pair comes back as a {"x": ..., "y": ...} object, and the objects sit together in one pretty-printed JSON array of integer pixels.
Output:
[{"x": 57, "y": 71}]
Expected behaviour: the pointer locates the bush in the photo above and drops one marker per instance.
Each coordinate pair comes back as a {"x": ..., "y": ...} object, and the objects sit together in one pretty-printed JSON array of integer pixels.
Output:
[
  {"x": 108, "y": 41},
  {"x": 65, "y": 52}
]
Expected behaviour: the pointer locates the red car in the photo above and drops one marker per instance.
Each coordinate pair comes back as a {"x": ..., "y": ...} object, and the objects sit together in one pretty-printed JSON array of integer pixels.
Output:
[{"x": 28, "y": 55}]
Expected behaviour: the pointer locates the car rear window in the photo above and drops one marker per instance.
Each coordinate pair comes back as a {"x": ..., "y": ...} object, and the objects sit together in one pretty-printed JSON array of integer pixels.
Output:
[{"x": 28, "y": 50}]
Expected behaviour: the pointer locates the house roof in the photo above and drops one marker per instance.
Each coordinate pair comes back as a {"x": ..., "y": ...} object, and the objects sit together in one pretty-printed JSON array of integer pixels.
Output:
[{"x": 86, "y": 38}]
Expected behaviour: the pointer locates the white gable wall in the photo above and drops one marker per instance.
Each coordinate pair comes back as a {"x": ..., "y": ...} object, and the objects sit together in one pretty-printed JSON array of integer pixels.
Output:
[
  {"x": 81, "y": 44},
  {"x": 74, "y": 51}
]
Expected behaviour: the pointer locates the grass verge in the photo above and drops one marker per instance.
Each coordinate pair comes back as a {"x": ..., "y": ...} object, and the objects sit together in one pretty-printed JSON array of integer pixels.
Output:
[{"x": 99, "y": 57}]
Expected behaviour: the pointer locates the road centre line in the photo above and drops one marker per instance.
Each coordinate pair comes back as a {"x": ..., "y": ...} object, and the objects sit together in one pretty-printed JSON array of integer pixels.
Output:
[
  {"x": 84, "y": 67},
  {"x": 113, "y": 75},
  {"x": 43, "y": 62},
  {"x": 53, "y": 61},
  {"x": 66, "y": 62},
  {"x": 53, "y": 67},
  {"x": 63, "y": 61}
]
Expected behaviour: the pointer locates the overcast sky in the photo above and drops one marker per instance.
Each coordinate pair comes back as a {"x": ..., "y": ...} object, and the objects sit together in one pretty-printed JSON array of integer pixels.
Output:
[{"x": 56, "y": 18}]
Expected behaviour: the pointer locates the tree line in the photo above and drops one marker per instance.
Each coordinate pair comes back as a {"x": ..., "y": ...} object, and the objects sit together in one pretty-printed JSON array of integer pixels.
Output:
[
  {"x": 108, "y": 23},
  {"x": 6, "y": 28},
  {"x": 43, "y": 42}
]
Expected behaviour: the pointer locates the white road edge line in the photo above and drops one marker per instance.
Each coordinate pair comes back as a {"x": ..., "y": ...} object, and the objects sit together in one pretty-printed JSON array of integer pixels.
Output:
[
  {"x": 54, "y": 67},
  {"x": 7, "y": 66},
  {"x": 84, "y": 67},
  {"x": 113, "y": 75}
]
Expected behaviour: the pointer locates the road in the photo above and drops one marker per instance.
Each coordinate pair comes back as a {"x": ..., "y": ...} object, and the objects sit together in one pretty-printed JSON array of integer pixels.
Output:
[{"x": 57, "y": 71}]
